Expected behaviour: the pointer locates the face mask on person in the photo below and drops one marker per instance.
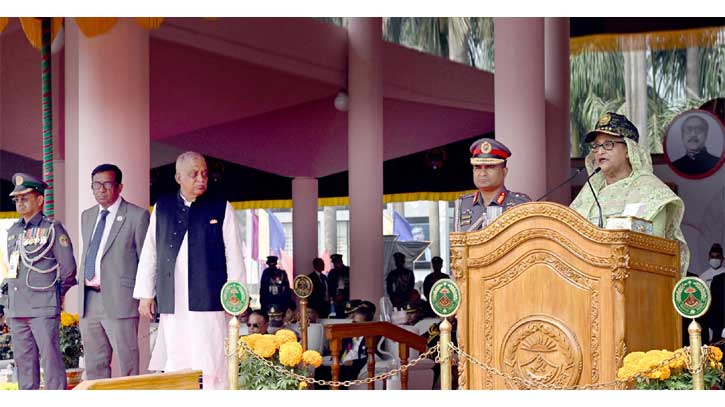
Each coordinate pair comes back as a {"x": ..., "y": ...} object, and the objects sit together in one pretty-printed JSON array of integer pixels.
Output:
[{"x": 715, "y": 263}]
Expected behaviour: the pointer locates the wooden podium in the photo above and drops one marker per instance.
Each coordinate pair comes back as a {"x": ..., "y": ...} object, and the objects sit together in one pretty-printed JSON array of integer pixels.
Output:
[{"x": 551, "y": 298}]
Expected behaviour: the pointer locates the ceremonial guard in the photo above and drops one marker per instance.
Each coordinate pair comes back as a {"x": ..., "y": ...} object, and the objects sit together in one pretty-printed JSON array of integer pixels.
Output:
[
  {"x": 475, "y": 211},
  {"x": 41, "y": 270}
]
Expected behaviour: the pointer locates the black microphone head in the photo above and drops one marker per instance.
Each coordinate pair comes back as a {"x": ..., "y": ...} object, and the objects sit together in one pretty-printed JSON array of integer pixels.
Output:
[{"x": 596, "y": 170}]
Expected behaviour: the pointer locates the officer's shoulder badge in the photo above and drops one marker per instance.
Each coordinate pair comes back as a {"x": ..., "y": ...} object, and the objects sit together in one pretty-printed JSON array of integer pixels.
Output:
[{"x": 63, "y": 240}]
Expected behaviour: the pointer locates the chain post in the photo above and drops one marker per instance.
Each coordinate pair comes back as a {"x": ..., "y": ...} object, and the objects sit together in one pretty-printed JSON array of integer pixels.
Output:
[
  {"x": 698, "y": 376},
  {"x": 445, "y": 354},
  {"x": 303, "y": 322},
  {"x": 232, "y": 355}
]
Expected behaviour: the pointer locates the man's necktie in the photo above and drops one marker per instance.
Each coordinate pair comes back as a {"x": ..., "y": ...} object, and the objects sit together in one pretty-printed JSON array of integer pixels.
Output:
[{"x": 90, "y": 270}]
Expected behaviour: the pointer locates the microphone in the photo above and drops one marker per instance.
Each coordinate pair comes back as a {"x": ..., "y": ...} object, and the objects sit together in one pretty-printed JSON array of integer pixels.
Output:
[
  {"x": 568, "y": 180},
  {"x": 601, "y": 218}
]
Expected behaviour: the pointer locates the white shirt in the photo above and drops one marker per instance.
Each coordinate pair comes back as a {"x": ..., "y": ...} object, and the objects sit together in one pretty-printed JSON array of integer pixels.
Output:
[
  {"x": 710, "y": 273},
  {"x": 190, "y": 339},
  {"x": 110, "y": 218}
]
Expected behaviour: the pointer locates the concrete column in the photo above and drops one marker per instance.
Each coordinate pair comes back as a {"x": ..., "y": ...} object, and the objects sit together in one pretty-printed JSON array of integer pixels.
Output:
[
  {"x": 692, "y": 75},
  {"x": 107, "y": 121},
  {"x": 330, "y": 213},
  {"x": 304, "y": 223},
  {"x": 635, "y": 89},
  {"x": 365, "y": 157},
  {"x": 434, "y": 229},
  {"x": 556, "y": 89},
  {"x": 519, "y": 99}
]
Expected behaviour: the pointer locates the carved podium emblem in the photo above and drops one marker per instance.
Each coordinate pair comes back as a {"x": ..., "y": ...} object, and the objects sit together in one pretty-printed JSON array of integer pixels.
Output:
[{"x": 541, "y": 350}]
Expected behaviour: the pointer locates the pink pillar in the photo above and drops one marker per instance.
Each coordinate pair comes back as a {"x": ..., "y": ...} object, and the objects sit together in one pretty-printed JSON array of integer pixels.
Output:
[
  {"x": 556, "y": 86},
  {"x": 107, "y": 121},
  {"x": 365, "y": 157},
  {"x": 304, "y": 223},
  {"x": 519, "y": 101}
]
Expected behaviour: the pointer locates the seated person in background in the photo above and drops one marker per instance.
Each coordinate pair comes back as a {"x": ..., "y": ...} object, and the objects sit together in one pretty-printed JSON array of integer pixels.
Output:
[
  {"x": 353, "y": 305},
  {"x": 290, "y": 316},
  {"x": 276, "y": 318},
  {"x": 354, "y": 350},
  {"x": 400, "y": 282},
  {"x": 258, "y": 322},
  {"x": 413, "y": 311},
  {"x": 244, "y": 316}
]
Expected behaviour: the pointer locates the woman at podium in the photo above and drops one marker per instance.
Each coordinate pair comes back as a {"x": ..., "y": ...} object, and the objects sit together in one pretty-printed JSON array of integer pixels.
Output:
[{"x": 626, "y": 183}]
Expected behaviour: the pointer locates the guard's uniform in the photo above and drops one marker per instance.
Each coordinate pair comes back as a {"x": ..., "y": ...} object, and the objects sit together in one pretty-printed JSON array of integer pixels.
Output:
[
  {"x": 41, "y": 270},
  {"x": 470, "y": 209}
]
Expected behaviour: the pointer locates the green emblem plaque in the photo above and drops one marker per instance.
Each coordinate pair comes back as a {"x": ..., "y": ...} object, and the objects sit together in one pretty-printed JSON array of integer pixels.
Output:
[
  {"x": 691, "y": 297},
  {"x": 235, "y": 297},
  {"x": 303, "y": 286},
  {"x": 445, "y": 297}
]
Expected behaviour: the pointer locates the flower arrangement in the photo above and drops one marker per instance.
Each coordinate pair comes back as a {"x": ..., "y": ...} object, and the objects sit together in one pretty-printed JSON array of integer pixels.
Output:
[
  {"x": 665, "y": 370},
  {"x": 70, "y": 339},
  {"x": 280, "y": 349}
]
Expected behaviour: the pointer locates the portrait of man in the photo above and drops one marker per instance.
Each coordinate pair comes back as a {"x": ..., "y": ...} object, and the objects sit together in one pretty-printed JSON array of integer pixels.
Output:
[{"x": 694, "y": 144}]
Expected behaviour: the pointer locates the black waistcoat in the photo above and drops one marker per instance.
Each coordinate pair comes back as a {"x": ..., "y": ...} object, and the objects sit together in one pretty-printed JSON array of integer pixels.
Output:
[{"x": 203, "y": 221}]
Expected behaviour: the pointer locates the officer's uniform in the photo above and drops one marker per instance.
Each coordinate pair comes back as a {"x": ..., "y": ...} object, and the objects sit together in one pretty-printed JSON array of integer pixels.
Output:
[
  {"x": 470, "y": 209},
  {"x": 43, "y": 267}
]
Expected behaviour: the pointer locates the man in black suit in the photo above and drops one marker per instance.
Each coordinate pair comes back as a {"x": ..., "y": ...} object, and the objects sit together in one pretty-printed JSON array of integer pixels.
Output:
[
  {"x": 697, "y": 159},
  {"x": 319, "y": 300}
]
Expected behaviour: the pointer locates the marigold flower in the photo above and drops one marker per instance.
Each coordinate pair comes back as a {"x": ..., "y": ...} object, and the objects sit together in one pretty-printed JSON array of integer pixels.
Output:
[
  {"x": 302, "y": 386},
  {"x": 285, "y": 335},
  {"x": 265, "y": 346},
  {"x": 273, "y": 338},
  {"x": 633, "y": 358},
  {"x": 312, "y": 358},
  {"x": 290, "y": 354},
  {"x": 715, "y": 353},
  {"x": 626, "y": 372},
  {"x": 662, "y": 373},
  {"x": 250, "y": 339},
  {"x": 67, "y": 319}
]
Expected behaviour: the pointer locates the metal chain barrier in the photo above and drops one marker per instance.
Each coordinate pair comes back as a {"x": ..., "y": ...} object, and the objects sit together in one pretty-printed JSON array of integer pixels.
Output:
[
  {"x": 346, "y": 383},
  {"x": 616, "y": 384}
]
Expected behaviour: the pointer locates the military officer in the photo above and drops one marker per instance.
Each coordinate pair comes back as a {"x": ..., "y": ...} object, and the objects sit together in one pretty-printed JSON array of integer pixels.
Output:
[
  {"x": 474, "y": 211},
  {"x": 41, "y": 270}
]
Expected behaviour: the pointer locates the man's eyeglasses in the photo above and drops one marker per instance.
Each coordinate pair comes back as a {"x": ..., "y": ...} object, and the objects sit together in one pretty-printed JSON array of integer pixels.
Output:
[
  {"x": 252, "y": 325},
  {"x": 607, "y": 145},
  {"x": 22, "y": 199},
  {"x": 106, "y": 185}
]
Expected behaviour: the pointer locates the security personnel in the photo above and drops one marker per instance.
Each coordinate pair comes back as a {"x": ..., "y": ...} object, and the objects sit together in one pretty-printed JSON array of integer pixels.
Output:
[
  {"x": 41, "y": 270},
  {"x": 474, "y": 211},
  {"x": 274, "y": 288}
]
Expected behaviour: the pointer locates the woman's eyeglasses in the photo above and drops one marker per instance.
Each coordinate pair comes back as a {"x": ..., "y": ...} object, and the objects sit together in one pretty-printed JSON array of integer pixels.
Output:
[{"x": 607, "y": 145}]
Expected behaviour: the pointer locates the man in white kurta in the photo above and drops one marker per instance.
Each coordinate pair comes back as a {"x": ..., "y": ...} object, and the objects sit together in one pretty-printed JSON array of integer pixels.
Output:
[{"x": 190, "y": 339}]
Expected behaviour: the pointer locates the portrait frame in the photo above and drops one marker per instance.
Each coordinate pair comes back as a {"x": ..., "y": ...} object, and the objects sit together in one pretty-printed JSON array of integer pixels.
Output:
[{"x": 674, "y": 149}]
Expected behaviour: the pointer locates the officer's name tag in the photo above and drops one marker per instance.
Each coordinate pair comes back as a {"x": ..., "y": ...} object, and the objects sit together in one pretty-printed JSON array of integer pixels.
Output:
[{"x": 13, "y": 266}]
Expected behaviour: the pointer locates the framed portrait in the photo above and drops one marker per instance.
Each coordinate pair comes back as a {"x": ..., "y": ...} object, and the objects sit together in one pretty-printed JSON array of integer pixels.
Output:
[{"x": 694, "y": 144}]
